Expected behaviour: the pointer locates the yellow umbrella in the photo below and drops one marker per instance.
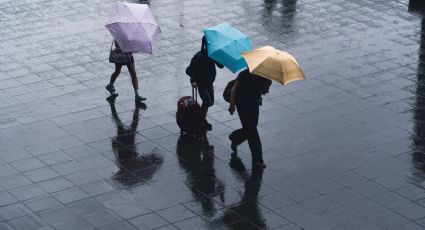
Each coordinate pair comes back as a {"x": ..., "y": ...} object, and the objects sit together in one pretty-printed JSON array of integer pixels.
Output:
[{"x": 274, "y": 64}]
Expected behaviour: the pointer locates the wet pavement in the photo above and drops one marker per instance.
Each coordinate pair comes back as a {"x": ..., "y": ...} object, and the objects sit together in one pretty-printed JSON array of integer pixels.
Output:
[{"x": 344, "y": 149}]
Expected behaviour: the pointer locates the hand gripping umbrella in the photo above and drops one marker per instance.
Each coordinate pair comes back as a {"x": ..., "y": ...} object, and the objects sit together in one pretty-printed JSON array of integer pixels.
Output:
[{"x": 133, "y": 27}]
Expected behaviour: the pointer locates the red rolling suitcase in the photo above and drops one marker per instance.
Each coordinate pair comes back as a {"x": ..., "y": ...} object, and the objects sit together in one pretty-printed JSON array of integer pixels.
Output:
[{"x": 188, "y": 114}]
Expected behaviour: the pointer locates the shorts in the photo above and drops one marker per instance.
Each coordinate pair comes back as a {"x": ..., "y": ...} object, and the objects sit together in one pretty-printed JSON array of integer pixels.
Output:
[
  {"x": 207, "y": 95},
  {"x": 131, "y": 61}
]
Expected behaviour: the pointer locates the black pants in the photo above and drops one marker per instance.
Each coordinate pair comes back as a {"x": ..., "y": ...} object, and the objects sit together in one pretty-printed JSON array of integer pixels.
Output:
[
  {"x": 207, "y": 95},
  {"x": 248, "y": 114}
]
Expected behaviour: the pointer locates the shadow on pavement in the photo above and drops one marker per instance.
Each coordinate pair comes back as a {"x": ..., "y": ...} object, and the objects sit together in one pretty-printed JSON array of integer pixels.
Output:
[
  {"x": 418, "y": 153},
  {"x": 134, "y": 169},
  {"x": 245, "y": 214},
  {"x": 196, "y": 157}
]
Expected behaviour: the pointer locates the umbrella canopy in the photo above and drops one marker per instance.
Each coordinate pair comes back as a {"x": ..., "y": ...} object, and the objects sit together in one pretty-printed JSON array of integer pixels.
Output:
[
  {"x": 273, "y": 64},
  {"x": 133, "y": 27},
  {"x": 225, "y": 45}
]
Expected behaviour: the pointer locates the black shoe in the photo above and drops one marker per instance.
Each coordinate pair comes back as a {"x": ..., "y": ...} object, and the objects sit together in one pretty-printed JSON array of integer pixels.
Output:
[
  {"x": 237, "y": 164},
  {"x": 111, "y": 99},
  {"x": 111, "y": 90},
  {"x": 139, "y": 98},
  {"x": 141, "y": 105}
]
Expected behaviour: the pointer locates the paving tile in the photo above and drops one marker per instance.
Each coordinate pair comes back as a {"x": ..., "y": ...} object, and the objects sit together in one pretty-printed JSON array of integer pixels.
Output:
[
  {"x": 390, "y": 200},
  {"x": 148, "y": 221},
  {"x": 346, "y": 143},
  {"x": 58, "y": 215},
  {"x": 40, "y": 149},
  {"x": 68, "y": 167},
  {"x": 294, "y": 212},
  {"x": 42, "y": 203},
  {"x": 411, "y": 192},
  {"x": 300, "y": 193},
  {"x": 119, "y": 225},
  {"x": 411, "y": 211},
  {"x": 4, "y": 226},
  {"x": 14, "y": 181},
  {"x": 369, "y": 189},
  {"x": 27, "y": 222},
  {"x": 275, "y": 201},
  {"x": 130, "y": 209},
  {"x": 28, "y": 164},
  {"x": 82, "y": 177},
  {"x": 42, "y": 174},
  {"x": 324, "y": 185},
  {"x": 102, "y": 218},
  {"x": 316, "y": 222},
  {"x": 13, "y": 211},
  {"x": 366, "y": 208},
  {"x": 176, "y": 213},
  {"x": 7, "y": 198},
  {"x": 342, "y": 216},
  {"x": 55, "y": 185},
  {"x": 54, "y": 158},
  {"x": 348, "y": 178},
  {"x": 344, "y": 196},
  {"x": 388, "y": 220},
  {"x": 167, "y": 227},
  {"x": 75, "y": 224},
  {"x": 198, "y": 223},
  {"x": 27, "y": 192},
  {"x": 70, "y": 195}
]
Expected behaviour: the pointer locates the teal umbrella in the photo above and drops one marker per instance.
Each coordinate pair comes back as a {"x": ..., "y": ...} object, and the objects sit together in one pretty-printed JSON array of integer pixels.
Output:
[{"x": 225, "y": 45}]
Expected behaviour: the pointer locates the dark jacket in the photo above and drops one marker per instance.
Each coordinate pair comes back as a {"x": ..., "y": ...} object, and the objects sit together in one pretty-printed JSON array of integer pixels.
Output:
[
  {"x": 202, "y": 69},
  {"x": 250, "y": 89}
]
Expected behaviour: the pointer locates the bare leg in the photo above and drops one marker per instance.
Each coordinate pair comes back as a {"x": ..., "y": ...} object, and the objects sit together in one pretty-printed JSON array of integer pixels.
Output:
[
  {"x": 115, "y": 74},
  {"x": 132, "y": 70}
]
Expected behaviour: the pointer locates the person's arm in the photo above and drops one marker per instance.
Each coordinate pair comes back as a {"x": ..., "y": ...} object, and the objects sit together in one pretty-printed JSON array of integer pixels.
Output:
[
  {"x": 233, "y": 95},
  {"x": 190, "y": 71}
]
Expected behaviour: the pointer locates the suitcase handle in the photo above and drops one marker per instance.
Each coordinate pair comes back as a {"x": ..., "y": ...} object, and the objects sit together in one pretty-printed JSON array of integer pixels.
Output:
[{"x": 194, "y": 94}]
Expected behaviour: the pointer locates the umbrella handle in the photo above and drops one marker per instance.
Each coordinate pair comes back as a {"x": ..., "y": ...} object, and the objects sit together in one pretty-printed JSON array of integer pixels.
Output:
[{"x": 194, "y": 94}]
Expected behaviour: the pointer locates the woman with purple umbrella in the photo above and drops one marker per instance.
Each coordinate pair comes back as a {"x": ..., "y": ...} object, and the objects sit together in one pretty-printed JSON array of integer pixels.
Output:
[
  {"x": 132, "y": 70},
  {"x": 134, "y": 29}
]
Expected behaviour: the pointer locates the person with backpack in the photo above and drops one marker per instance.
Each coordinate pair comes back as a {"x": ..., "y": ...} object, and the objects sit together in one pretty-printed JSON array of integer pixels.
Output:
[
  {"x": 245, "y": 96},
  {"x": 131, "y": 69},
  {"x": 202, "y": 72}
]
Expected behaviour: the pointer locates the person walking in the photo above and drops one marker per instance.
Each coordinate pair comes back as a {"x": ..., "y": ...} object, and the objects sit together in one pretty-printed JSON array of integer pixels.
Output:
[
  {"x": 132, "y": 70},
  {"x": 202, "y": 72},
  {"x": 246, "y": 98}
]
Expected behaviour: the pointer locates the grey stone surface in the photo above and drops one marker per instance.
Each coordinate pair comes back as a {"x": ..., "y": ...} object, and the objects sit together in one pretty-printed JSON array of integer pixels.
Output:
[{"x": 344, "y": 148}]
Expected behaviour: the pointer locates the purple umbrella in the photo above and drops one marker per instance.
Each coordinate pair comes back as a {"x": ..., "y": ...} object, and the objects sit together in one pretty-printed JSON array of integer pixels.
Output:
[{"x": 133, "y": 27}]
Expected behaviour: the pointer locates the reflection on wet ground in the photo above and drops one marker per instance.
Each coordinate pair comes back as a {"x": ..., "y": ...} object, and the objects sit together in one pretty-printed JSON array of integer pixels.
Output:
[
  {"x": 344, "y": 149},
  {"x": 134, "y": 169},
  {"x": 196, "y": 157},
  {"x": 247, "y": 208},
  {"x": 418, "y": 145}
]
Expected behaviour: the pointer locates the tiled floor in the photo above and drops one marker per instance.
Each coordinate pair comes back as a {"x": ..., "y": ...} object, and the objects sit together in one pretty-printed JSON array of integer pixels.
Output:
[{"x": 344, "y": 149}]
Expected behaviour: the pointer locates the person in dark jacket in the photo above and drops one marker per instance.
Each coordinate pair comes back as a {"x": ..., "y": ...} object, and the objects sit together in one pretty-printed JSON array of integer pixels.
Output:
[
  {"x": 246, "y": 97},
  {"x": 202, "y": 74}
]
